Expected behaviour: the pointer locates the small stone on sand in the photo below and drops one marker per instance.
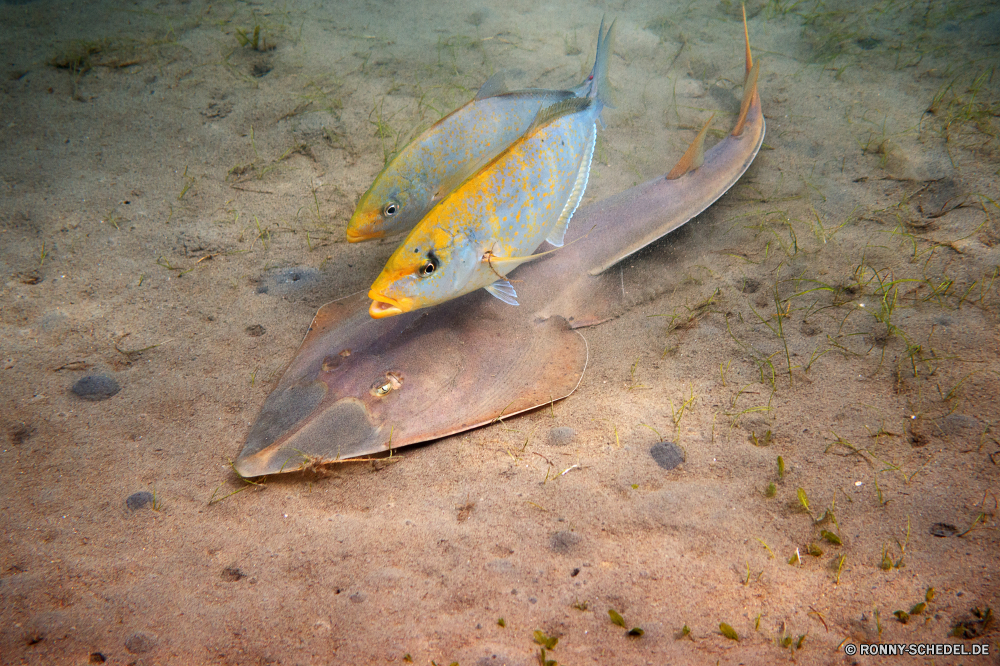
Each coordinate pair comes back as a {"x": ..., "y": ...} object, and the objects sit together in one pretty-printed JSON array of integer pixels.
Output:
[
  {"x": 232, "y": 573},
  {"x": 140, "y": 642},
  {"x": 136, "y": 501},
  {"x": 667, "y": 454},
  {"x": 284, "y": 281},
  {"x": 561, "y": 436},
  {"x": 564, "y": 540},
  {"x": 95, "y": 387}
]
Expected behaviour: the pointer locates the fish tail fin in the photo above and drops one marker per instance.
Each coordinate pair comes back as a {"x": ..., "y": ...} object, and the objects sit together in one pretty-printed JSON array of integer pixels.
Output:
[
  {"x": 750, "y": 96},
  {"x": 596, "y": 84}
]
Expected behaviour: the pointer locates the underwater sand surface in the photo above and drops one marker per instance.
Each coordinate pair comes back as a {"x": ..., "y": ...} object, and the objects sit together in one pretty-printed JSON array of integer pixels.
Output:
[{"x": 172, "y": 215}]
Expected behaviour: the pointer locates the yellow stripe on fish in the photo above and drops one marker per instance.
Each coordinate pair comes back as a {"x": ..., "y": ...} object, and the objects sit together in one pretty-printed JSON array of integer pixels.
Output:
[
  {"x": 457, "y": 146},
  {"x": 494, "y": 221}
]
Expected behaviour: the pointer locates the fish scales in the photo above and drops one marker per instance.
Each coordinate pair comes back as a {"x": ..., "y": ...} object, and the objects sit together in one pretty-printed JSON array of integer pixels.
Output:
[
  {"x": 496, "y": 219},
  {"x": 456, "y": 147},
  {"x": 449, "y": 151}
]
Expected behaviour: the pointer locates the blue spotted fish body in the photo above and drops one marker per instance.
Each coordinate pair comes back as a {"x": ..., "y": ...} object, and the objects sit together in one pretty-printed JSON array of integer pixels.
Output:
[
  {"x": 496, "y": 219},
  {"x": 456, "y": 147}
]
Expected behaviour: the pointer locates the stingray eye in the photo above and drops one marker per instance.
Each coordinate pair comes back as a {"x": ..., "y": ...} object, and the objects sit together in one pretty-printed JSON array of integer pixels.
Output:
[
  {"x": 390, "y": 209},
  {"x": 431, "y": 265}
]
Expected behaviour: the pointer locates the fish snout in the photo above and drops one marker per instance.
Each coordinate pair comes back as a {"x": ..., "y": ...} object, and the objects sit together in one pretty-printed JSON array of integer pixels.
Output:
[
  {"x": 356, "y": 235},
  {"x": 364, "y": 226}
]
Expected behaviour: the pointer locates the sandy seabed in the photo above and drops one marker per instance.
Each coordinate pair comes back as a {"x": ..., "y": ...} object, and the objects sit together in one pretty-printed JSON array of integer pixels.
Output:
[{"x": 172, "y": 215}]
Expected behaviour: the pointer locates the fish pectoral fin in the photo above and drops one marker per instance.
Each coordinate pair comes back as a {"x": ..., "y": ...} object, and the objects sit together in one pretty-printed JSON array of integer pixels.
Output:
[
  {"x": 694, "y": 156},
  {"x": 495, "y": 85},
  {"x": 503, "y": 265},
  {"x": 465, "y": 261},
  {"x": 503, "y": 290},
  {"x": 582, "y": 176}
]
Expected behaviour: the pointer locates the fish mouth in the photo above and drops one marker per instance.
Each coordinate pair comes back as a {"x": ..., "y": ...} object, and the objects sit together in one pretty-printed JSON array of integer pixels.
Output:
[
  {"x": 383, "y": 307},
  {"x": 363, "y": 226},
  {"x": 356, "y": 236}
]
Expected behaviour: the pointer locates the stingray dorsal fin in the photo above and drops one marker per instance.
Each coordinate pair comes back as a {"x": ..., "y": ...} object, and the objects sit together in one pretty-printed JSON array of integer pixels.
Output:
[
  {"x": 750, "y": 83},
  {"x": 582, "y": 176},
  {"x": 694, "y": 156},
  {"x": 495, "y": 85},
  {"x": 749, "y": 92}
]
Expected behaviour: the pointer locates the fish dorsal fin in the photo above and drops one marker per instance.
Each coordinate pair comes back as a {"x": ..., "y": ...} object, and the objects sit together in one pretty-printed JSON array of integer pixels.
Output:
[
  {"x": 556, "y": 111},
  {"x": 694, "y": 156},
  {"x": 749, "y": 92},
  {"x": 503, "y": 290},
  {"x": 495, "y": 85},
  {"x": 582, "y": 176}
]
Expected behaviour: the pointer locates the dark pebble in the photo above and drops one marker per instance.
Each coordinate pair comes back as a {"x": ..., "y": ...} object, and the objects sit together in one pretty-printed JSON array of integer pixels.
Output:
[
  {"x": 564, "y": 540},
  {"x": 667, "y": 454},
  {"x": 809, "y": 330},
  {"x": 561, "y": 436},
  {"x": 140, "y": 642},
  {"x": 943, "y": 530},
  {"x": 20, "y": 433},
  {"x": 255, "y": 331},
  {"x": 136, "y": 501},
  {"x": 232, "y": 574},
  {"x": 96, "y": 387}
]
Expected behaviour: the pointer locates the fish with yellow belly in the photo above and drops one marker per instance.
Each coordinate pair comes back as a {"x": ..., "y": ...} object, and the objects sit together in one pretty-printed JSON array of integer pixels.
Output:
[{"x": 494, "y": 221}]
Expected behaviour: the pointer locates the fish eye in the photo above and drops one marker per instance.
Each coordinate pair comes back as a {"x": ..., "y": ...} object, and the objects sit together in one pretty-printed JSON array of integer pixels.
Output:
[
  {"x": 431, "y": 265},
  {"x": 390, "y": 209}
]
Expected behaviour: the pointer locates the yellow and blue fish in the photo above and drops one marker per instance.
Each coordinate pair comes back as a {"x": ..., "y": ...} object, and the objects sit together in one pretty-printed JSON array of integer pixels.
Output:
[
  {"x": 456, "y": 147},
  {"x": 494, "y": 221}
]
